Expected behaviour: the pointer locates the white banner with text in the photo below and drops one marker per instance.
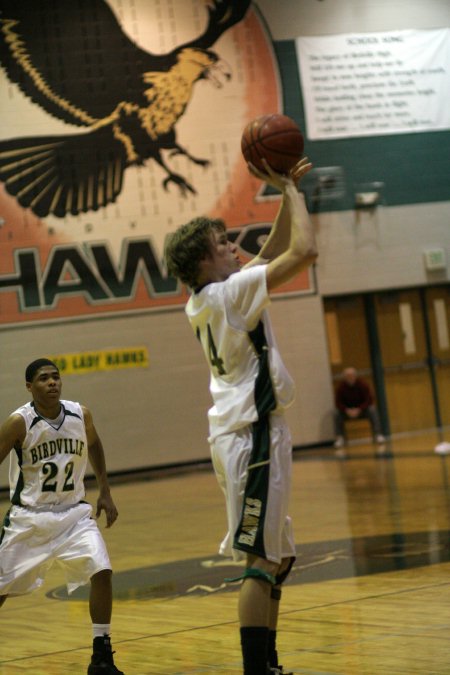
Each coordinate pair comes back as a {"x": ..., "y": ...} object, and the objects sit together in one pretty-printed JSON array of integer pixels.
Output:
[{"x": 375, "y": 83}]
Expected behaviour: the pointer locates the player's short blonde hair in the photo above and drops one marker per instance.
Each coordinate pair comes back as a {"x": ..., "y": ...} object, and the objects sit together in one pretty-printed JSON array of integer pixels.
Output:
[{"x": 187, "y": 246}]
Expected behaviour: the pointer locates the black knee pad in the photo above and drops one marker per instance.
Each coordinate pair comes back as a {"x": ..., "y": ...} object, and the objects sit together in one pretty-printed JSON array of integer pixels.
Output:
[
  {"x": 281, "y": 578},
  {"x": 275, "y": 593}
]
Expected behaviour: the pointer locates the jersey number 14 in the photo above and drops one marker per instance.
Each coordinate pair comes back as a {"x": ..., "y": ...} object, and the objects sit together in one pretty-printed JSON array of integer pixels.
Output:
[{"x": 214, "y": 357}]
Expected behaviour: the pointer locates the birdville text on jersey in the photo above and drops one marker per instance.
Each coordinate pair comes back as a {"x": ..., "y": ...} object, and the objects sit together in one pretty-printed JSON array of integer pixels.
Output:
[{"x": 68, "y": 446}]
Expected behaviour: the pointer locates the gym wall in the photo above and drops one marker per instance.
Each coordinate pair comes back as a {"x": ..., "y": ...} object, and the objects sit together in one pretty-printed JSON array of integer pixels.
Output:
[{"x": 151, "y": 411}]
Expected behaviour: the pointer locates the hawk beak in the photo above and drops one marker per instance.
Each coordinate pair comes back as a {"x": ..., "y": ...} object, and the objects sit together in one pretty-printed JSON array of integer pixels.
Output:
[{"x": 218, "y": 74}]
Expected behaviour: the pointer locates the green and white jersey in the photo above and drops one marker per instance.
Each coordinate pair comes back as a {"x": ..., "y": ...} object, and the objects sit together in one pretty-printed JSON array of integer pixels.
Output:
[
  {"x": 248, "y": 377},
  {"x": 49, "y": 467}
]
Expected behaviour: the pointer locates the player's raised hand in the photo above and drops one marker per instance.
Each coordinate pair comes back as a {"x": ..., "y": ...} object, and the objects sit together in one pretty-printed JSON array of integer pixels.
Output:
[
  {"x": 300, "y": 169},
  {"x": 279, "y": 180}
]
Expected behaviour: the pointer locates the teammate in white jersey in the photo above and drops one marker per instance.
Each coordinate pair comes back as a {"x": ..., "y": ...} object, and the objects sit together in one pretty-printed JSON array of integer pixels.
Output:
[
  {"x": 250, "y": 387},
  {"x": 49, "y": 520}
]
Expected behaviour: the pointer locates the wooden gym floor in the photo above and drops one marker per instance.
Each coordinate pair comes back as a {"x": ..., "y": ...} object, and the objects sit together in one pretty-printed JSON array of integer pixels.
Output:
[{"x": 370, "y": 593}]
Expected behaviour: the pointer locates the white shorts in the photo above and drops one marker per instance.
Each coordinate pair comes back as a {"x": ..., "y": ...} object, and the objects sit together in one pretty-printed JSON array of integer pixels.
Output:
[
  {"x": 254, "y": 471},
  {"x": 34, "y": 538}
]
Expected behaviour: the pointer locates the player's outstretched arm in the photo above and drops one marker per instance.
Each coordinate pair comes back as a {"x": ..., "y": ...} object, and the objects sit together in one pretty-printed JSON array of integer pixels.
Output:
[
  {"x": 12, "y": 434},
  {"x": 97, "y": 459},
  {"x": 302, "y": 249},
  {"x": 291, "y": 246},
  {"x": 279, "y": 238}
]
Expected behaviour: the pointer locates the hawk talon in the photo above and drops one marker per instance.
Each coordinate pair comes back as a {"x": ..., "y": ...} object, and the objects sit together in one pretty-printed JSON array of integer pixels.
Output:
[
  {"x": 195, "y": 160},
  {"x": 202, "y": 162},
  {"x": 181, "y": 182}
]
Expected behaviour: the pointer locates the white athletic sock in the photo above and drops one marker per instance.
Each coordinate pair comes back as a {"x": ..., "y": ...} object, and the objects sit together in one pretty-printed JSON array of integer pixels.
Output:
[{"x": 101, "y": 629}]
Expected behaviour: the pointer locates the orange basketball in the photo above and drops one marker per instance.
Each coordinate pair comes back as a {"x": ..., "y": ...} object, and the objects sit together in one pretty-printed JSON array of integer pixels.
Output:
[{"x": 276, "y": 138}]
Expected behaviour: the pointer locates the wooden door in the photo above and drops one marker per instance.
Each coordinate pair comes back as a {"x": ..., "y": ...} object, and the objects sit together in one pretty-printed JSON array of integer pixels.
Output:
[
  {"x": 438, "y": 309},
  {"x": 348, "y": 345},
  {"x": 404, "y": 356}
]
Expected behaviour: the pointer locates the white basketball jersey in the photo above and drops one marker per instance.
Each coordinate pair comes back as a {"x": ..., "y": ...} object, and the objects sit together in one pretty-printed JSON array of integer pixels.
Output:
[
  {"x": 230, "y": 320},
  {"x": 49, "y": 467}
]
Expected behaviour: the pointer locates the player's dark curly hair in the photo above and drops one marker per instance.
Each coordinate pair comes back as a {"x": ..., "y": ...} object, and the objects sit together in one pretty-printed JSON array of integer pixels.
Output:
[
  {"x": 34, "y": 366},
  {"x": 188, "y": 245}
]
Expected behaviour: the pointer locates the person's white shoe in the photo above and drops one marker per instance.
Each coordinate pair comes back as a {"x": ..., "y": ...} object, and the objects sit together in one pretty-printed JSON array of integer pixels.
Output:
[
  {"x": 442, "y": 448},
  {"x": 339, "y": 442}
]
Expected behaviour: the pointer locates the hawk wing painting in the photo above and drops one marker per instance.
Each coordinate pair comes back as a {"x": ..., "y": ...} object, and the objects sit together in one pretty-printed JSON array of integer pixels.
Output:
[{"x": 74, "y": 60}]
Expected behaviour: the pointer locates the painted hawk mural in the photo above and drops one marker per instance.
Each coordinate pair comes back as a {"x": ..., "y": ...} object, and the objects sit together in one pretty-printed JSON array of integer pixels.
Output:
[{"x": 74, "y": 60}]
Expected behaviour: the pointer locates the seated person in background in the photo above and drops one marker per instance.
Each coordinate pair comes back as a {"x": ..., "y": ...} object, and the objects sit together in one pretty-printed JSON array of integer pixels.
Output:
[{"x": 354, "y": 399}]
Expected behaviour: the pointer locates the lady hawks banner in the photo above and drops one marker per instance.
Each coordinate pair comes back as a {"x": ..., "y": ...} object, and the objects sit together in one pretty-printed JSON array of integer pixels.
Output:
[{"x": 121, "y": 120}]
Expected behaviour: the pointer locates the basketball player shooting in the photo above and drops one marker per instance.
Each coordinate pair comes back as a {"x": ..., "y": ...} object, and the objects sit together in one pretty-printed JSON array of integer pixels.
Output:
[
  {"x": 250, "y": 387},
  {"x": 51, "y": 440}
]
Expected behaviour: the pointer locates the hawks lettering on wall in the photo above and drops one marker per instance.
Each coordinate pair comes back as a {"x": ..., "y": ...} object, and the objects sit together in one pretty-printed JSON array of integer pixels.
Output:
[{"x": 94, "y": 274}]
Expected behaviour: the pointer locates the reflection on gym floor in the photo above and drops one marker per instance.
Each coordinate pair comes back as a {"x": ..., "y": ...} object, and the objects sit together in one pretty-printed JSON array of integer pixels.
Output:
[{"x": 369, "y": 593}]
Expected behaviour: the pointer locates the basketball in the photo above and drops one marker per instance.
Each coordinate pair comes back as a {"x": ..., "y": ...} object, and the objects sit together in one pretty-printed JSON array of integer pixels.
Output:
[{"x": 275, "y": 138}]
